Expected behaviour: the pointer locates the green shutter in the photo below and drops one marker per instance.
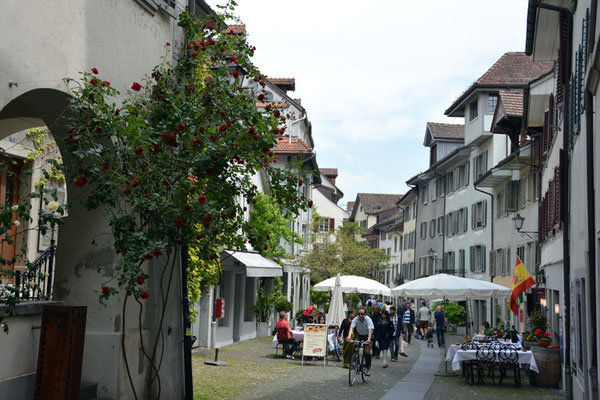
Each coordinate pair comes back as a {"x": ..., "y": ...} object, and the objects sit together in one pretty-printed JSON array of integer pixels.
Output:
[
  {"x": 484, "y": 211},
  {"x": 473, "y": 216},
  {"x": 467, "y": 169},
  {"x": 465, "y": 220},
  {"x": 484, "y": 167},
  {"x": 472, "y": 250},
  {"x": 492, "y": 264},
  {"x": 453, "y": 260},
  {"x": 462, "y": 259},
  {"x": 475, "y": 168},
  {"x": 483, "y": 258}
]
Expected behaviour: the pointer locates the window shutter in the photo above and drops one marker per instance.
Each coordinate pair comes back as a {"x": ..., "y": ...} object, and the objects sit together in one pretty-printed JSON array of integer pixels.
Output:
[
  {"x": 462, "y": 259},
  {"x": 484, "y": 167},
  {"x": 457, "y": 178},
  {"x": 511, "y": 196},
  {"x": 473, "y": 222},
  {"x": 483, "y": 258},
  {"x": 472, "y": 251},
  {"x": 447, "y": 224},
  {"x": 475, "y": 168},
  {"x": 453, "y": 263},
  {"x": 492, "y": 264},
  {"x": 557, "y": 195},
  {"x": 546, "y": 133},
  {"x": 331, "y": 224},
  {"x": 522, "y": 192},
  {"x": 467, "y": 170},
  {"x": 466, "y": 219},
  {"x": 508, "y": 261},
  {"x": 484, "y": 212}
]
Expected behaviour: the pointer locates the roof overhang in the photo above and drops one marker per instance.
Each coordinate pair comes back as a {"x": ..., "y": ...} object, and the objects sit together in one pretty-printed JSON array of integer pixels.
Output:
[
  {"x": 543, "y": 28},
  {"x": 457, "y": 109},
  {"x": 460, "y": 154},
  {"x": 256, "y": 265},
  {"x": 507, "y": 168},
  {"x": 539, "y": 99}
]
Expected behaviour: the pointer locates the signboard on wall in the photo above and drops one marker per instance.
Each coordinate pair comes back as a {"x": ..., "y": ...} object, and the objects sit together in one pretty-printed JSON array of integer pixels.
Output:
[{"x": 315, "y": 341}]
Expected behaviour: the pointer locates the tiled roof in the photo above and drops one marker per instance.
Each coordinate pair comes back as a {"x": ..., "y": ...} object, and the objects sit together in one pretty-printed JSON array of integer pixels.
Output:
[
  {"x": 284, "y": 83},
  {"x": 295, "y": 146},
  {"x": 350, "y": 206},
  {"x": 512, "y": 101},
  {"x": 278, "y": 105},
  {"x": 329, "y": 171},
  {"x": 446, "y": 131},
  {"x": 237, "y": 28},
  {"x": 373, "y": 203},
  {"x": 513, "y": 69}
]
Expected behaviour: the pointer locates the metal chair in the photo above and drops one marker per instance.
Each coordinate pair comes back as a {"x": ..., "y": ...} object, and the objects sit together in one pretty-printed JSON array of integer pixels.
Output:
[
  {"x": 485, "y": 359},
  {"x": 508, "y": 358},
  {"x": 467, "y": 366}
]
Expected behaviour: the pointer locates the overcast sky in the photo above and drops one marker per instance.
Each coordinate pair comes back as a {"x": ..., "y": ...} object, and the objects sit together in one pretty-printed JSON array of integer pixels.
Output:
[{"x": 372, "y": 73}]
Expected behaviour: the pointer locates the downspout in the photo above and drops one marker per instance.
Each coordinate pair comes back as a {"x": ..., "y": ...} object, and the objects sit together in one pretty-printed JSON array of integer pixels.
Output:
[
  {"x": 416, "y": 225},
  {"x": 589, "y": 116}
]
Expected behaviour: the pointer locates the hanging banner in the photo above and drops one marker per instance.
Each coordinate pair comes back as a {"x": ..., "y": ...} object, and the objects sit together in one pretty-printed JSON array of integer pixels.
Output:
[{"x": 315, "y": 341}]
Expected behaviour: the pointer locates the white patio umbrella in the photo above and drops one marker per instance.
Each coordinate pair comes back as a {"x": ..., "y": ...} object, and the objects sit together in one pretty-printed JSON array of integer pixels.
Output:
[
  {"x": 450, "y": 287},
  {"x": 354, "y": 284},
  {"x": 336, "y": 314}
]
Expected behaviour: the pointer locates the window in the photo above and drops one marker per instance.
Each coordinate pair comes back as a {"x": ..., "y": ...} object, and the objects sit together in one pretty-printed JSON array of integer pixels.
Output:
[
  {"x": 414, "y": 214},
  {"x": 423, "y": 266},
  {"x": 383, "y": 235},
  {"x": 492, "y": 102},
  {"x": 423, "y": 230},
  {"x": 500, "y": 205},
  {"x": 440, "y": 225},
  {"x": 512, "y": 195},
  {"x": 473, "y": 110},
  {"x": 479, "y": 214},
  {"x": 478, "y": 256},
  {"x": 500, "y": 263},
  {"x": 460, "y": 177},
  {"x": 522, "y": 192},
  {"x": 432, "y": 228},
  {"x": 533, "y": 193},
  {"x": 521, "y": 254},
  {"x": 480, "y": 165},
  {"x": 363, "y": 223},
  {"x": 507, "y": 253},
  {"x": 249, "y": 299},
  {"x": 440, "y": 186},
  {"x": 450, "y": 181},
  {"x": 324, "y": 224},
  {"x": 449, "y": 260},
  {"x": 425, "y": 193},
  {"x": 407, "y": 214},
  {"x": 467, "y": 170},
  {"x": 434, "y": 193},
  {"x": 461, "y": 261}
]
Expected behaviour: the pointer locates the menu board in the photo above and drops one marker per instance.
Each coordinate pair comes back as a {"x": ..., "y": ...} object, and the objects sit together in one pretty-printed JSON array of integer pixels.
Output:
[{"x": 315, "y": 341}]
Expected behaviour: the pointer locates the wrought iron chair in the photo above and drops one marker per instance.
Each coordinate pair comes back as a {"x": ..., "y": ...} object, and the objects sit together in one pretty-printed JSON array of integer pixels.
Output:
[
  {"x": 508, "y": 358},
  {"x": 485, "y": 359},
  {"x": 467, "y": 366}
]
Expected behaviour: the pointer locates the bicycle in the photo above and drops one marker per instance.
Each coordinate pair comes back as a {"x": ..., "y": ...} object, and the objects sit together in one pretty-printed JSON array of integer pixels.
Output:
[{"x": 355, "y": 366}]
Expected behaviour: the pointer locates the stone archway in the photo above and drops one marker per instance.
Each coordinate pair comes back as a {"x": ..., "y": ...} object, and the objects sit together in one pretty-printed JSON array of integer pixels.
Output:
[{"x": 84, "y": 262}]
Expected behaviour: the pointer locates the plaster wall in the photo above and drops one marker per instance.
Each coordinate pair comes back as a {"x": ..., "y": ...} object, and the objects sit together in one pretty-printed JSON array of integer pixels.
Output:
[
  {"x": 432, "y": 209},
  {"x": 479, "y": 126},
  {"x": 328, "y": 209}
]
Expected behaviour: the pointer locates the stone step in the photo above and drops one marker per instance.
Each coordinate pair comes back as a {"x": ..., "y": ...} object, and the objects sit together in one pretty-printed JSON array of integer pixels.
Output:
[{"x": 88, "y": 390}]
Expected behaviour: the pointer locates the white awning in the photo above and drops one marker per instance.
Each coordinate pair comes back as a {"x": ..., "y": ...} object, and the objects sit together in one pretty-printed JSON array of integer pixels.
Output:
[{"x": 256, "y": 265}]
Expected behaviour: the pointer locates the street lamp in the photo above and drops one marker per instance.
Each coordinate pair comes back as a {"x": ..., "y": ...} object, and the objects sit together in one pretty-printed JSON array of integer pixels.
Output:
[{"x": 518, "y": 221}]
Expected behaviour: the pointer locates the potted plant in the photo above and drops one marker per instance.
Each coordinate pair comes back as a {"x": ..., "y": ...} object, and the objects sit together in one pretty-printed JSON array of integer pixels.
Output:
[
  {"x": 266, "y": 304},
  {"x": 542, "y": 338}
]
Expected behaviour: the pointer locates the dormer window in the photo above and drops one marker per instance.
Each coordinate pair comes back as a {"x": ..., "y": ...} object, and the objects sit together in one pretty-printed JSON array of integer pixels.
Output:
[
  {"x": 492, "y": 103},
  {"x": 473, "y": 110},
  {"x": 268, "y": 97}
]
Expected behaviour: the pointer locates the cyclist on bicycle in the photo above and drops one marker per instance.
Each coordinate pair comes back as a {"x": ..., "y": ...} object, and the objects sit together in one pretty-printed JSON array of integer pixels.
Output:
[{"x": 364, "y": 329}]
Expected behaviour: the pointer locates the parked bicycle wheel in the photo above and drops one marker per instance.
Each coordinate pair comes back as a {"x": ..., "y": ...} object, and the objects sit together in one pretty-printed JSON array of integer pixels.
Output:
[
  {"x": 353, "y": 370},
  {"x": 338, "y": 353}
]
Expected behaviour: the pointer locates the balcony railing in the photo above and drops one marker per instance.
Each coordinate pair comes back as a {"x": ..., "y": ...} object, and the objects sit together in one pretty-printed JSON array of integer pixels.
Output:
[{"x": 35, "y": 283}]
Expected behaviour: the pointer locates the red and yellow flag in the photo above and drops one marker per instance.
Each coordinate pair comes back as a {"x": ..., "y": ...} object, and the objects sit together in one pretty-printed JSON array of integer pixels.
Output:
[{"x": 520, "y": 282}]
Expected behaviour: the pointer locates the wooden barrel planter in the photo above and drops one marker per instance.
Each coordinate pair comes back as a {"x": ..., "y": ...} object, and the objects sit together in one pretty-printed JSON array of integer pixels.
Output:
[{"x": 548, "y": 363}]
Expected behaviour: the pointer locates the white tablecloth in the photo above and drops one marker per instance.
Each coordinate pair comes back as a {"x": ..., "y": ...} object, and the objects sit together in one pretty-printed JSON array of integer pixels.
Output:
[
  {"x": 455, "y": 347},
  {"x": 525, "y": 357},
  {"x": 299, "y": 336}
]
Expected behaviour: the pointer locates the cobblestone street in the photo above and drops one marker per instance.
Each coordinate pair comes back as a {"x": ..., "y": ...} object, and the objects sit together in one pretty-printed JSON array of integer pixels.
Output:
[{"x": 253, "y": 372}]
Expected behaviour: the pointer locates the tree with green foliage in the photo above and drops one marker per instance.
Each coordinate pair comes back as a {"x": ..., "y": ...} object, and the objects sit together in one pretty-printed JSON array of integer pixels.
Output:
[{"x": 342, "y": 251}]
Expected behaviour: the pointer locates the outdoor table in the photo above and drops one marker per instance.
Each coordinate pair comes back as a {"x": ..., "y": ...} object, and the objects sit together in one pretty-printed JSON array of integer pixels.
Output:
[
  {"x": 299, "y": 336},
  {"x": 525, "y": 357},
  {"x": 453, "y": 348}
]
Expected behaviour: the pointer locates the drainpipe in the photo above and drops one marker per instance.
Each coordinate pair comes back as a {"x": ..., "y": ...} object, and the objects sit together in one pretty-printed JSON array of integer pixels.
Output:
[
  {"x": 443, "y": 220},
  {"x": 589, "y": 139}
]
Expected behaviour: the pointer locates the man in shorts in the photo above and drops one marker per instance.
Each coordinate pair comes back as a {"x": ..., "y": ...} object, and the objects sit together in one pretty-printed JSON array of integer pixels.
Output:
[
  {"x": 424, "y": 316},
  {"x": 363, "y": 325}
]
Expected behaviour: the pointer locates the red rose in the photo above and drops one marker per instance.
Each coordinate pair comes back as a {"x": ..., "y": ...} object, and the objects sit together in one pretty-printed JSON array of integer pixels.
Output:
[
  {"x": 216, "y": 231},
  {"x": 165, "y": 182},
  {"x": 255, "y": 137},
  {"x": 310, "y": 204},
  {"x": 223, "y": 113},
  {"x": 300, "y": 182},
  {"x": 202, "y": 199},
  {"x": 236, "y": 74},
  {"x": 538, "y": 331},
  {"x": 168, "y": 44},
  {"x": 266, "y": 247},
  {"x": 157, "y": 252},
  {"x": 213, "y": 256},
  {"x": 165, "y": 136},
  {"x": 139, "y": 150},
  {"x": 234, "y": 60},
  {"x": 222, "y": 128},
  {"x": 95, "y": 70},
  {"x": 201, "y": 129},
  {"x": 232, "y": 32},
  {"x": 105, "y": 290},
  {"x": 198, "y": 237},
  {"x": 251, "y": 131},
  {"x": 208, "y": 217},
  {"x": 117, "y": 112},
  {"x": 268, "y": 237},
  {"x": 265, "y": 150},
  {"x": 123, "y": 249},
  {"x": 213, "y": 139},
  {"x": 179, "y": 222},
  {"x": 254, "y": 187},
  {"x": 179, "y": 241},
  {"x": 144, "y": 295},
  {"x": 261, "y": 97},
  {"x": 93, "y": 81},
  {"x": 181, "y": 127},
  {"x": 245, "y": 208},
  {"x": 228, "y": 123},
  {"x": 127, "y": 192},
  {"x": 136, "y": 86},
  {"x": 98, "y": 129},
  {"x": 107, "y": 83},
  {"x": 155, "y": 147},
  {"x": 105, "y": 165},
  {"x": 276, "y": 113},
  {"x": 187, "y": 207},
  {"x": 253, "y": 201},
  {"x": 209, "y": 171},
  {"x": 140, "y": 280},
  {"x": 547, "y": 334},
  {"x": 148, "y": 256}
]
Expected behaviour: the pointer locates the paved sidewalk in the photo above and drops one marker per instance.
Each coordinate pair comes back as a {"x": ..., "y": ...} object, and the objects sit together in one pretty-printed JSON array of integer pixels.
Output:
[{"x": 416, "y": 383}]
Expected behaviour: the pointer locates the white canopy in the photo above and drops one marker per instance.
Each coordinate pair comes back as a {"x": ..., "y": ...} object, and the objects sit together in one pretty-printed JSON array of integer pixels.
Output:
[
  {"x": 451, "y": 287},
  {"x": 354, "y": 284},
  {"x": 256, "y": 265},
  {"x": 336, "y": 314}
]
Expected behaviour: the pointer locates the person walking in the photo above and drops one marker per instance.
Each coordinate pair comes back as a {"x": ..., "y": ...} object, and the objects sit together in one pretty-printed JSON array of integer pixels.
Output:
[
  {"x": 386, "y": 333},
  {"x": 342, "y": 334},
  {"x": 424, "y": 317},
  {"x": 395, "y": 342},
  {"x": 408, "y": 320},
  {"x": 440, "y": 325},
  {"x": 376, "y": 318}
]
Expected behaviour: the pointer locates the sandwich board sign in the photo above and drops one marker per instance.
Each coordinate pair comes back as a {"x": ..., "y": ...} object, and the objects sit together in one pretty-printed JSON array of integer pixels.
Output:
[{"x": 315, "y": 342}]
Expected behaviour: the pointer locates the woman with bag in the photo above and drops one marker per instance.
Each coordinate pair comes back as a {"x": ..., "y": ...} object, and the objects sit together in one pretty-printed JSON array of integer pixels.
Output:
[{"x": 386, "y": 333}]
